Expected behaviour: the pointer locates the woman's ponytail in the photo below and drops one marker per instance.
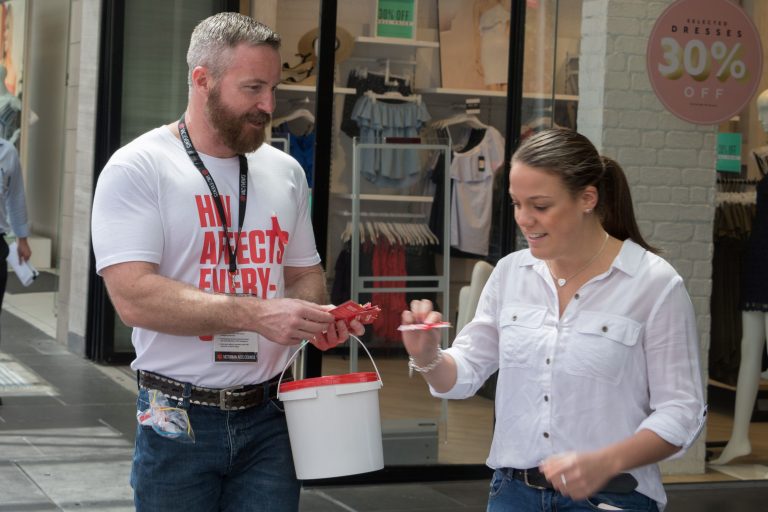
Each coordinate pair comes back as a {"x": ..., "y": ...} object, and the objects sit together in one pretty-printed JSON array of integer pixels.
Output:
[{"x": 615, "y": 208}]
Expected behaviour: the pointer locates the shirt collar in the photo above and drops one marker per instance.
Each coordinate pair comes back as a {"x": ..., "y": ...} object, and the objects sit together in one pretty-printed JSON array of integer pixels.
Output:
[
  {"x": 628, "y": 260},
  {"x": 539, "y": 266},
  {"x": 629, "y": 257},
  {"x": 527, "y": 259}
]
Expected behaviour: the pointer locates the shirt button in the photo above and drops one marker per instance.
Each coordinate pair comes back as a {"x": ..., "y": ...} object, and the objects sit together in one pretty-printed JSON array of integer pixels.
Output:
[
  {"x": 514, "y": 317},
  {"x": 605, "y": 329},
  {"x": 546, "y": 398},
  {"x": 546, "y": 435},
  {"x": 547, "y": 360},
  {"x": 576, "y": 296}
]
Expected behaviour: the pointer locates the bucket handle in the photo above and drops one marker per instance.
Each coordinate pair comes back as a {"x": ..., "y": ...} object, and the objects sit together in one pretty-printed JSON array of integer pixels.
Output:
[{"x": 304, "y": 344}]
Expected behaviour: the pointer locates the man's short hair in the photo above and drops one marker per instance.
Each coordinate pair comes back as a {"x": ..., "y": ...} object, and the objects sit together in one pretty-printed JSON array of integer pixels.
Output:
[{"x": 213, "y": 39}]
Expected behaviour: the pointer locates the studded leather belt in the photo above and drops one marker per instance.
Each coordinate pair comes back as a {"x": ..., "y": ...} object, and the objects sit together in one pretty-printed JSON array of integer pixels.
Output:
[{"x": 233, "y": 398}]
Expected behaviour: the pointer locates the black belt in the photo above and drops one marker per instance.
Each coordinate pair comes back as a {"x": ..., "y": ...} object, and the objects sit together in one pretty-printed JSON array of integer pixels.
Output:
[
  {"x": 532, "y": 477},
  {"x": 236, "y": 397}
]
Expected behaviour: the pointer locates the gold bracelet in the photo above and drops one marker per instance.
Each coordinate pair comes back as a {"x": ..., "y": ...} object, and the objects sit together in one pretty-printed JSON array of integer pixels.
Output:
[{"x": 412, "y": 366}]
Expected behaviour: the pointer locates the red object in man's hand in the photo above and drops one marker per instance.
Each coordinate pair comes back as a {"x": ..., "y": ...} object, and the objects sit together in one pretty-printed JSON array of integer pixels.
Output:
[{"x": 365, "y": 313}]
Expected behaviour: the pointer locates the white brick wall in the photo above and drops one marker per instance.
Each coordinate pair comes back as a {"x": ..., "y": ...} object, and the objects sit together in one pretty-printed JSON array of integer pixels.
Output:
[
  {"x": 74, "y": 256},
  {"x": 669, "y": 162}
]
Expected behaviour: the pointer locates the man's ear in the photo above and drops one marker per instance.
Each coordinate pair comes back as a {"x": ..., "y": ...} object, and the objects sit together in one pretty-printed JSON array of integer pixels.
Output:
[{"x": 201, "y": 79}]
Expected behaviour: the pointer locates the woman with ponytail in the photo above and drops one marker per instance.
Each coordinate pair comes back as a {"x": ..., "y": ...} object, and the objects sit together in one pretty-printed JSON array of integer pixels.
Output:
[{"x": 594, "y": 337}]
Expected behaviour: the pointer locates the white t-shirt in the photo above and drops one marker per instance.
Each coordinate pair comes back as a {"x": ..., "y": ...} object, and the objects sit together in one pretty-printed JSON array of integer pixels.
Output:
[
  {"x": 153, "y": 205},
  {"x": 472, "y": 173}
]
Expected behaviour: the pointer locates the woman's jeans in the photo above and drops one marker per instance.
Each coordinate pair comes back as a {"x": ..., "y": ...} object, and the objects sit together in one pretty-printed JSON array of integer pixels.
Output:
[
  {"x": 240, "y": 462},
  {"x": 510, "y": 495}
]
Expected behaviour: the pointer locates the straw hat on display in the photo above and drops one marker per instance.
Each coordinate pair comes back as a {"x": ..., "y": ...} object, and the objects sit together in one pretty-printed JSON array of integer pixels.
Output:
[{"x": 304, "y": 72}]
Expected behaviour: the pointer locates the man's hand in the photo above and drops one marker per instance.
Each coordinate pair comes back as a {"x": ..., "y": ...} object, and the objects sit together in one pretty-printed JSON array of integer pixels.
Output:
[
  {"x": 23, "y": 247},
  {"x": 337, "y": 332},
  {"x": 289, "y": 321},
  {"x": 143, "y": 298}
]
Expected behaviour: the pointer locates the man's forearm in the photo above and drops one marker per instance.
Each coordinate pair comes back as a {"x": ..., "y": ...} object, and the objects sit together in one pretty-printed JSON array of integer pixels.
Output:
[
  {"x": 161, "y": 304},
  {"x": 306, "y": 284},
  {"x": 145, "y": 299}
]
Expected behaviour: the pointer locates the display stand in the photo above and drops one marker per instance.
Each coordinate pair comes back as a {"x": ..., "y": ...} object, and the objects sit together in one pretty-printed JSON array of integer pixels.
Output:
[{"x": 365, "y": 284}]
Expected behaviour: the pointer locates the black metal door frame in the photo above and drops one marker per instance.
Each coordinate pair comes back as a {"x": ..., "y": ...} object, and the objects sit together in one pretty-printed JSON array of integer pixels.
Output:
[
  {"x": 322, "y": 166},
  {"x": 100, "y": 323}
]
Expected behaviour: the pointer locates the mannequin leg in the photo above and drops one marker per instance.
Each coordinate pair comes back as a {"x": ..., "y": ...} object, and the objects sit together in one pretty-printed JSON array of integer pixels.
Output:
[
  {"x": 764, "y": 375},
  {"x": 754, "y": 325}
]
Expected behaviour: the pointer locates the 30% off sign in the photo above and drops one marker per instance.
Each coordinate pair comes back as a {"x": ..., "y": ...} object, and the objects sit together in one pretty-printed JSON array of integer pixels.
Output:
[{"x": 704, "y": 60}]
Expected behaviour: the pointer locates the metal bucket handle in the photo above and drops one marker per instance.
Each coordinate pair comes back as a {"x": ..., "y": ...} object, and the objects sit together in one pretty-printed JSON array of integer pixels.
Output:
[{"x": 304, "y": 343}]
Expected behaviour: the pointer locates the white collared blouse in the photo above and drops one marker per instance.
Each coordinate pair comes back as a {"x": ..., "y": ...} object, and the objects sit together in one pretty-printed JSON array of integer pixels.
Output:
[{"x": 624, "y": 356}]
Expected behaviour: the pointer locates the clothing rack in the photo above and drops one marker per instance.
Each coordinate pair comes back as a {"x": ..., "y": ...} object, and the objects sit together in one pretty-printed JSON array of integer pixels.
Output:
[
  {"x": 299, "y": 113},
  {"x": 388, "y": 75},
  {"x": 408, "y": 233},
  {"x": 393, "y": 95},
  {"x": 346, "y": 213},
  {"x": 396, "y": 233},
  {"x": 367, "y": 284},
  {"x": 736, "y": 184},
  {"x": 470, "y": 120},
  {"x": 745, "y": 181}
]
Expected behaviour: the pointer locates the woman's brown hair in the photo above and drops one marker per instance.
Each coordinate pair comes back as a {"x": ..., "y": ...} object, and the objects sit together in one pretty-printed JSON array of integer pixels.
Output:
[{"x": 572, "y": 157}]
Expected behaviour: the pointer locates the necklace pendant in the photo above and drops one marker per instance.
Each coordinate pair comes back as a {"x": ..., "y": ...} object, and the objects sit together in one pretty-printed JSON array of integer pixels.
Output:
[{"x": 561, "y": 282}]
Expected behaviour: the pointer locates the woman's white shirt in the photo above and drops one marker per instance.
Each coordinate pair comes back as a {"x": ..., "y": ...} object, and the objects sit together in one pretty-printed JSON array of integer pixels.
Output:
[{"x": 624, "y": 356}]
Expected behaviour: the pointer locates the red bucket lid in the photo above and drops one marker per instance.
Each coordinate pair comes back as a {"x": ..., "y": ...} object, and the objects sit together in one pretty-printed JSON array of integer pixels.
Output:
[{"x": 348, "y": 378}]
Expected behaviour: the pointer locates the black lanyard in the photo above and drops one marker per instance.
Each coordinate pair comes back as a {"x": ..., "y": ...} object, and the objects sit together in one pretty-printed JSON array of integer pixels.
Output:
[{"x": 195, "y": 157}]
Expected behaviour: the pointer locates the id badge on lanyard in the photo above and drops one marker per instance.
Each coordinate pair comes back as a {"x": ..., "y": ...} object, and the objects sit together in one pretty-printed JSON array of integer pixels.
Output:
[{"x": 236, "y": 347}]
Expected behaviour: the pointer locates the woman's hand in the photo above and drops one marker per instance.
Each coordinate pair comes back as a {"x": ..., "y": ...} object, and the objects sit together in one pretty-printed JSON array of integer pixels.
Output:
[
  {"x": 577, "y": 475},
  {"x": 421, "y": 345},
  {"x": 438, "y": 369}
]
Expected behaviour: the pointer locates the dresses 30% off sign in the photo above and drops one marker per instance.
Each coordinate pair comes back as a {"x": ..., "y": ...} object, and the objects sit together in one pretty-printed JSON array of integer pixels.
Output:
[{"x": 704, "y": 60}]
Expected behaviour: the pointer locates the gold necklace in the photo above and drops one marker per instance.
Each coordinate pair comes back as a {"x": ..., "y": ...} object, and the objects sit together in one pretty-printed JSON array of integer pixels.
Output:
[{"x": 562, "y": 281}]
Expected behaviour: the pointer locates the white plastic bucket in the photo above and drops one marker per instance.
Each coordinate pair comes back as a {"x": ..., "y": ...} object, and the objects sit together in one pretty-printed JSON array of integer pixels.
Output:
[{"x": 334, "y": 423}]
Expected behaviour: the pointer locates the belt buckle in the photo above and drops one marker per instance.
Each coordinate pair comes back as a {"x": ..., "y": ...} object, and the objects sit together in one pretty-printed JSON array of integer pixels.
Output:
[
  {"x": 533, "y": 486},
  {"x": 223, "y": 397}
]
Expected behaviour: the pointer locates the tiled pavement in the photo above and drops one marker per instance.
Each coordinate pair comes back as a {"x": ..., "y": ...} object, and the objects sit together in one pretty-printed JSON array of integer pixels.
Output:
[{"x": 67, "y": 428}]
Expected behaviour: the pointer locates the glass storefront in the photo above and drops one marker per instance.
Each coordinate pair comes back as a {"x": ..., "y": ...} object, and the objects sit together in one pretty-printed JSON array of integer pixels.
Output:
[
  {"x": 441, "y": 101},
  {"x": 402, "y": 214},
  {"x": 383, "y": 210}
]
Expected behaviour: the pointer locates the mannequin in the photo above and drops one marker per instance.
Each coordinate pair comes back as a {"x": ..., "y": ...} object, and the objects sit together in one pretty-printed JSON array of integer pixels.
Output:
[{"x": 754, "y": 315}]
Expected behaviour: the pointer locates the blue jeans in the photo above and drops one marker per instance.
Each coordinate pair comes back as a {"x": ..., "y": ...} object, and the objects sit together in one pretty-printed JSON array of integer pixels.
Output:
[
  {"x": 510, "y": 495},
  {"x": 240, "y": 462}
]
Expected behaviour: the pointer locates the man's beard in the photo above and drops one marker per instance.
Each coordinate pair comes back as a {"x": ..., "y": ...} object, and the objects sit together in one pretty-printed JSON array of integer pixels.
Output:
[{"x": 236, "y": 130}]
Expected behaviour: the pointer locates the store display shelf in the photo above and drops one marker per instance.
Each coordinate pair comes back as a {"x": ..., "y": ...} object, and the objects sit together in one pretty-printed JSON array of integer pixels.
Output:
[
  {"x": 463, "y": 92},
  {"x": 762, "y": 385},
  {"x": 549, "y": 96},
  {"x": 495, "y": 94},
  {"x": 392, "y": 41},
  {"x": 310, "y": 89},
  {"x": 391, "y": 197}
]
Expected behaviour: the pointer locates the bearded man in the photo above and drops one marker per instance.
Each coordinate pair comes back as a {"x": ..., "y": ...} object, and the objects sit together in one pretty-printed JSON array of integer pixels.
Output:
[{"x": 203, "y": 237}]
